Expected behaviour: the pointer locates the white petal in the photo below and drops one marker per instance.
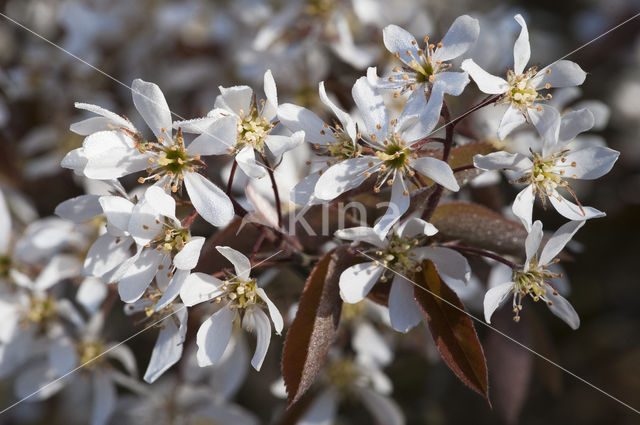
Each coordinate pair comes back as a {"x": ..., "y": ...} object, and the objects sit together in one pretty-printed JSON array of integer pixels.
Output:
[
  {"x": 79, "y": 209},
  {"x": 398, "y": 40},
  {"x": 173, "y": 289},
  {"x": 322, "y": 410},
  {"x": 152, "y": 106},
  {"x": 246, "y": 159},
  {"x": 363, "y": 233},
  {"x": 574, "y": 123},
  {"x": 564, "y": 310},
  {"x": 106, "y": 253},
  {"x": 257, "y": 321},
  {"x": 532, "y": 243},
  {"x": 5, "y": 225},
  {"x": 104, "y": 398},
  {"x": 562, "y": 73},
  {"x": 591, "y": 162},
  {"x": 117, "y": 210},
  {"x": 499, "y": 274},
  {"x": 344, "y": 176},
  {"x": 496, "y": 297},
  {"x": 188, "y": 256},
  {"x": 398, "y": 205},
  {"x": 240, "y": 261},
  {"x": 370, "y": 345},
  {"x": 437, "y": 170},
  {"x": 213, "y": 336},
  {"x": 124, "y": 356},
  {"x": 75, "y": 160},
  {"x": 452, "y": 83},
  {"x": 403, "y": 310},
  {"x": 372, "y": 108},
  {"x": 547, "y": 122},
  {"x": 62, "y": 355},
  {"x": 168, "y": 348},
  {"x": 523, "y": 206},
  {"x": 417, "y": 227},
  {"x": 271, "y": 102},
  {"x": 357, "y": 281},
  {"x": 344, "y": 118},
  {"x": 111, "y": 155},
  {"x": 200, "y": 287},
  {"x": 462, "y": 35},
  {"x": 297, "y": 118},
  {"x": 556, "y": 243},
  {"x": 112, "y": 121},
  {"x": 419, "y": 118},
  {"x": 60, "y": 267},
  {"x": 235, "y": 99},
  {"x": 209, "y": 200},
  {"x": 139, "y": 275},
  {"x": 216, "y": 138},
  {"x": 521, "y": 48},
  {"x": 451, "y": 266},
  {"x": 161, "y": 202},
  {"x": 303, "y": 192},
  {"x": 91, "y": 293},
  {"x": 276, "y": 317},
  {"x": 383, "y": 408},
  {"x": 571, "y": 211},
  {"x": 512, "y": 119},
  {"x": 503, "y": 160},
  {"x": 145, "y": 223},
  {"x": 39, "y": 382},
  {"x": 486, "y": 82},
  {"x": 278, "y": 145}
]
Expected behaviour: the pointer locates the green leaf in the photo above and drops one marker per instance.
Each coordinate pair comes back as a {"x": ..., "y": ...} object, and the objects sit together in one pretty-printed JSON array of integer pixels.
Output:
[
  {"x": 478, "y": 226},
  {"x": 452, "y": 329},
  {"x": 313, "y": 329}
]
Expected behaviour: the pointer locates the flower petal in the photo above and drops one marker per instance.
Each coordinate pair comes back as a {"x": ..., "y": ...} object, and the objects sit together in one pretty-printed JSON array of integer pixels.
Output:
[
  {"x": 357, "y": 281},
  {"x": 451, "y": 266},
  {"x": 362, "y": 233},
  {"x": 496, "y": 297},
  {"x": 403, "y": 310},
  {"x": 110, "y": 120},
  {"x": 574, "y": 123},
  {"x": 557, "y": 242},
  {"x": 297, "y": 118},
  {"x": 213, "y": 336},
  {"x": 209, "y": 200},
  {"x": 590, "y": 163},
  {"x": 462, "y": 35},
  {"x": 139, "y": 275},
  {"x": 270, "y": 107},
  {"x": 188, "y": 256},
  {"x": 452, "y": 83},
  {"x": 79, "y": 209},
  {"x": 161, "y": 202},
  {"x": 256, "y": 320},
  {"x": 278, "y": 145},
  {"x": 400, "y": 41},
  {"x": 111, "y": 155},
  {"x": 152, "y": 106},
  {"x": 372, "y": 108},
  {"x": 398, "y": 205},
  {"x": 512, "y": 119},
  {"x": 106, "y": 253},
  {"x": 532, "y": 243},
  {"x": 322, "y": 410},
  {"x": 562, "y": 73},
  {"x": 236, "y": 99},
  {"x": 523, "y": 206},
  {"x": 5, "y": 225},
  {"x": 344, "y": 118},
  {"x": 416, "y": 227},
  {"x": 437, "y": 170},
  {"x": 572, "y": 211},
  {"x": 503, "y": 161},
  {"x": 486, "y": 82},
  {"x": 168, "y": 348},
  {"x": 547, "y": 122},
  {"x": 104, "y": 398},
  {"x": 173, "y": 289},
  {"x": 521, "y": 48},
  {"x": 563, "y": 309},
  {"x": 303, "y": 192},
  {"x": 276, "y": 317},
  {"x": 246, "y": 159},
  {"x": 240, "y": 261},
  {"x": 217, "y": 138},
  {"x": 344, "y": 176},
  {"x": 91, "y": 293},
  {"x": 200, "y": 287}
]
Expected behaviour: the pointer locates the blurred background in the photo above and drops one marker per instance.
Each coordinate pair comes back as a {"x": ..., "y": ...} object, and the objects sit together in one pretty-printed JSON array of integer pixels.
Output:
[{"x": 190, "y": 47}]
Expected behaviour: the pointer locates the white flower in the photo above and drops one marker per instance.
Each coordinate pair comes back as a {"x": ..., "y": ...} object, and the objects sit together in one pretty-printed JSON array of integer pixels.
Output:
[
  {"x": 332, "y": 143},
  {"x": 395, "y": 257},
  {"x": 426, "y": 72},
  {"x": 241, "y": 300},
  {"x": 546, "y": 171},
  {"x": 241, "y": 126},
  {"x": 521, "y": 89},
  {"x": 534, "y": 279},
  {"x": 393, "y": 157},
  {"x": 118, "y": 149}
]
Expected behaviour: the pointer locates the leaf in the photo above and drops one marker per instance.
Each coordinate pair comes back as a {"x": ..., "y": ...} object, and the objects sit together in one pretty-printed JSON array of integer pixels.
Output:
[
  {"x": 480, "y": 227},
  {"x": 452, "y": 329},
  {"x": 313, "y": 329}
]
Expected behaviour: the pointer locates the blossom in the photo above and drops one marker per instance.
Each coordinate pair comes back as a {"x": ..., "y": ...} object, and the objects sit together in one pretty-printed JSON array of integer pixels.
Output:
[
  {"x": 241, "y": 126},
  {"x": 427, "y": 72},
  {"x": 547, "y": 170},
  {"x": 241, "y": 300},
  {"x": 521, "y": 89},
  {"x": 534, "y": 278},
  {"x": 393, "y": 157},
  {"x": 397, "y": 257},
  {"x": 115, "y": 148}
]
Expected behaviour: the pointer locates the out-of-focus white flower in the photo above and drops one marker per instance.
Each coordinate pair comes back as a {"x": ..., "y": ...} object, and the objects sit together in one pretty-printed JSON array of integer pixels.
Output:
[
  {"x": 397, "y": 256},
  {"x": 521, "y": 89},
  {"x": 241, "y": 300},
  {"x": 534, "y": 279}
]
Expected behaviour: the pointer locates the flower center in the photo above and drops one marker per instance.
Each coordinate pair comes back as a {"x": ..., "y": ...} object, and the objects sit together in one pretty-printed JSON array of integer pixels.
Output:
[
  {"x": 342, "y": 374},
  {"x": 89, "y": 353},
  {"x": 5, "y": 266},
  {"x": 421, "y": 69},
  {"x": 172, "y": 239},
  {"x": 398, "y": 255},
  {"x": 253, "y": 129},
  {"x": 40, "y": 311},
  {"x": 533, "y": 282},
  {"x": 522, "y": 92},
  {"x": 168, "y": 160},
  {"x": 240, "y": 293}
]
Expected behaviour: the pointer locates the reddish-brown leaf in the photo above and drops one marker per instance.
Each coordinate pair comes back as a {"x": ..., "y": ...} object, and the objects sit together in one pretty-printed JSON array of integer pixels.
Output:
[
  {"x": 452, "y": 329},
  {"x": 478, "y": 226},
  {"x": 313, "y": 329}
]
